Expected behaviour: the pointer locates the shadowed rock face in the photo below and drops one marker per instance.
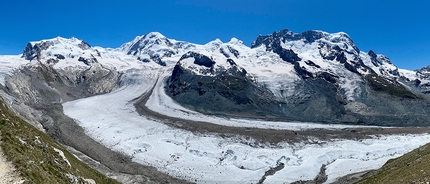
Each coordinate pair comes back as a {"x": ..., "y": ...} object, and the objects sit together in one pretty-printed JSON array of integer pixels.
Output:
[
  {"x": 318, "y": 96},
  {"x": 199, "y": 59},
  {"x": 316, "y": 100},
  {"x": 41, "y": 85},
  {"x": 41, "y": 88},
  {"x": 230, "y": 90},
  {"x": 33, "y": 51}
]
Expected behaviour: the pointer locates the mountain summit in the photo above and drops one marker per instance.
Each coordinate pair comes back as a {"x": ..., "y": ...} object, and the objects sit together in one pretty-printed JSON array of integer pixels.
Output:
[
  {"x": 201, "y": 112},
  {"x": 311, "y": 76}
]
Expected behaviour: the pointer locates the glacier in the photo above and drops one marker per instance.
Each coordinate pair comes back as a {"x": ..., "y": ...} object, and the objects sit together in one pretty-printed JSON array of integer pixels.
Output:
[
  {"x": 212, "y": 159},
  {"x": 145, "y": 64}
]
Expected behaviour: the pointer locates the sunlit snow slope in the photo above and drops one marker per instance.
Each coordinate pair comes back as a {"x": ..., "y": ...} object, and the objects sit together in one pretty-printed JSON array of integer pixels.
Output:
[
  {"x": 208, "y": 158},
  {"x": 290, "y": 68}
]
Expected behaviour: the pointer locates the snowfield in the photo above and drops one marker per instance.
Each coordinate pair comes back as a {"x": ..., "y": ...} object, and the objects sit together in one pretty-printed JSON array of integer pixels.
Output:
[
  {"x": 8, "y": 64},
  {"x": 112, "y": 120}
]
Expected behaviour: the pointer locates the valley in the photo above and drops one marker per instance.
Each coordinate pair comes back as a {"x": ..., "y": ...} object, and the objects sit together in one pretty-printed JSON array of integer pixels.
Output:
[
  {"x": 225, "y": 150},
  {"x": 293, "y": 107}
]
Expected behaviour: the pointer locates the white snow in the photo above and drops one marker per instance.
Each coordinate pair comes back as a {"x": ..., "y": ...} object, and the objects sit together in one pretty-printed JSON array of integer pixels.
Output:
[
  {"x": 8, "y": 64},
  {"x": 212, "y": 159},
  {"x": 382, "y": 69},
  {"x": 349, "y": 81},
  {"x": 411, "y": 75},
  {"x": 160, "y": 102}
]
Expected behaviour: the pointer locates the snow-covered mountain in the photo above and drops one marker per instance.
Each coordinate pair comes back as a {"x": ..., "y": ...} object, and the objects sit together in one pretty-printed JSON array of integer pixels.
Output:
[{"x": 312, "y": 76}]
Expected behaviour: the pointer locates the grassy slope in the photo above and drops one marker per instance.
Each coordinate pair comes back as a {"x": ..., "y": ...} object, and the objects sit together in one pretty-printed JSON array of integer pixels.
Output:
[
  {"x": 413, "y": 167},
  {"x": 32, "y": 152},
  {"x": 389, "y": 86}
]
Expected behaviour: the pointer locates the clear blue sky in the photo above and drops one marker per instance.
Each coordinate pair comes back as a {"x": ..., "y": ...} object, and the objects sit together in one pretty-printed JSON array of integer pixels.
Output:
[{"x": 397, "y": 29}]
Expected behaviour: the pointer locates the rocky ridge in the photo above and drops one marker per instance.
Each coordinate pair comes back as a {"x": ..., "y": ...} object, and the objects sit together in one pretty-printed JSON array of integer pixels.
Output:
[
  {"x": 332, "y": 81},
  {"x": 312, "y": 76}
]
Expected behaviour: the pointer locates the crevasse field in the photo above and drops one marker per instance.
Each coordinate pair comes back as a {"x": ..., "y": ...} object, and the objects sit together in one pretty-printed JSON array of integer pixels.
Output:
[{"x": 112, "y": 120}]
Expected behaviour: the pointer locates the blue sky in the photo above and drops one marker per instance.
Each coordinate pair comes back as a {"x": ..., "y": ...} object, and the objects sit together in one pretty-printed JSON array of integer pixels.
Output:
[{"x": 397, "y": 29}]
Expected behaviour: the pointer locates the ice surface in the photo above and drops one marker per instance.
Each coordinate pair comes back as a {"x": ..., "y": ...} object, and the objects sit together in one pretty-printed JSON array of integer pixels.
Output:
[
  {"x": 112, "y": 120},
  {"x": 8, "y": 64},
  {"x": 160, "y": 102},
  {"x": 212, "y": 159}
]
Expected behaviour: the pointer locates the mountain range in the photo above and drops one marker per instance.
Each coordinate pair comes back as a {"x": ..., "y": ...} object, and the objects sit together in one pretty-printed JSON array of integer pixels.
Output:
[{"x": 313, "y": 77}]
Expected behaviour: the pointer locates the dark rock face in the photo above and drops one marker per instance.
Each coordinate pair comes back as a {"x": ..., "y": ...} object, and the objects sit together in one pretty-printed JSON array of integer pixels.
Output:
[
  {"x": 285, "y": 34},
  {"x": 199, "y": 59},
  {"x": 84, "y": 45},
  {"x": 310, "y": 63},
  {"x": 234, "y": 51},
  {"x": 318, "y": 96},
  {"x": 223, "y": 52},
  {"x": 52, "y": 61},
  {"x": 229, "y": 93},
  {"x": 59, "y": 56},
  {"x": 42, "y": 85},
  {"x": 302, "y": 71},
  {"x": 417, "y": 85},
  {"x": 158, "y": 60},
  {"x": 33, "y": 51},
  {"x": 317, "y": 99},
  {"x": 145, "y": 60},
  {"x": 287, "y": 55},
  {"x": 376, "y": 61},
  {"x": 233, "y": 94},
  {"x": 144, "y": 45},
  {"x": 327, "y": 51},
  {"x": 273, "y": 43},
  {"x": 88, "y": 61}
]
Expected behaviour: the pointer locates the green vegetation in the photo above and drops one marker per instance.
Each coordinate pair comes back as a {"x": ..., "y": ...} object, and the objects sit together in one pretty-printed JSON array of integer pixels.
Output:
[
  {"x": 36, "y": 156},
  {"x": 413, "y": 167},
  {"x": 391, "y": 87}
]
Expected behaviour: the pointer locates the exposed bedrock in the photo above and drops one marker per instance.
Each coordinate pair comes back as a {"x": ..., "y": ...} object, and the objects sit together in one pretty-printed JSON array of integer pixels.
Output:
[
  {"x": 45, "y": 88},
  {"x": 316, "y": 99}
]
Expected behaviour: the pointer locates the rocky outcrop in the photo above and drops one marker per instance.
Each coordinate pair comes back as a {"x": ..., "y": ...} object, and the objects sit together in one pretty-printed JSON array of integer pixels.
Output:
[
  {"x": 33, "y": 51},
  {"x": 336, "y": 82},
  {"x": 154, "y": 47},
  {"x": 42, "y": 84},
  {"x": 199, "y": 59},
  {"x": 318, "y": 97},
  {"x": 88, "y": 61}
]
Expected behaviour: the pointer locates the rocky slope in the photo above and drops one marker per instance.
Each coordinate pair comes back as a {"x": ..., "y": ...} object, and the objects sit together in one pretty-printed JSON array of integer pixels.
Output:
[
  {"x": 30, "y": 156},
  {"x": 330, "y": 80},
  {"x": 58, "y": 70},
  {"x": 312, "y": 76},
  {"x": 412, "y": 167}
]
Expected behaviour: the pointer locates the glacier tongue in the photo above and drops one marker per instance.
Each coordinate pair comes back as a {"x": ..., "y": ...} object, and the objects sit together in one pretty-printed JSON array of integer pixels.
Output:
[
  {"x": 312, "y": 76},
  {"x": 209, "y": 158}
]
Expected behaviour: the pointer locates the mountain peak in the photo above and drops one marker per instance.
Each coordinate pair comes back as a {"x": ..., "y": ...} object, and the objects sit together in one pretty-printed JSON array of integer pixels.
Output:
[
  {"x": 146, "y": 41},
  {"x": 58, "y": 44},
  {"x": 235, "y": 41},
  {"x": 213, "y": 45},
  {"x": 154, "y": 35}
]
